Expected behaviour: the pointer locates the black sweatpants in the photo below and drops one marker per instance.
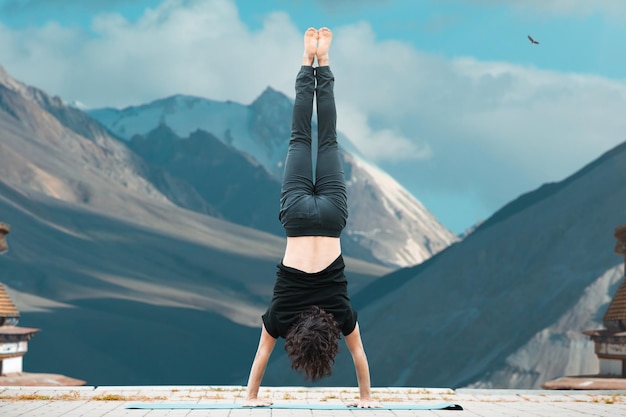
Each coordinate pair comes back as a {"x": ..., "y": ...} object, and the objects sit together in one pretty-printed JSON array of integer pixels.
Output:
[{"x": 314, "y": 207}]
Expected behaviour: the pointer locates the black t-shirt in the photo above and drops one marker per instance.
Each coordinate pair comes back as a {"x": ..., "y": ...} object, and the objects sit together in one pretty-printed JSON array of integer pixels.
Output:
[{"x": 295, "y": 291}]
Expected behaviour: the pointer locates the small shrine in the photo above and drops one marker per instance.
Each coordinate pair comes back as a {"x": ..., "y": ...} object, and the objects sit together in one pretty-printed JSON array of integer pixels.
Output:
[
  {"x": 14, "y": 341},
  {"x": 610, "y": 343}
]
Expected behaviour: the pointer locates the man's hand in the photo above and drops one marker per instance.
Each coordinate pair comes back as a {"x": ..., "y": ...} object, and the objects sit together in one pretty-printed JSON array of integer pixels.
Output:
[
  {"x": 355, "y": 346},
  {"x": 255, "y": 402},
  {"x": 366, "y": 404},
  {"x": 266, "y": 344}
]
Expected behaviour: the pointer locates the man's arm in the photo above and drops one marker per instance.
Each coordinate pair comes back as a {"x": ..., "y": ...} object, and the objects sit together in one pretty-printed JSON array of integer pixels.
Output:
[
  {"x": 355, "y": 346},
  {"x": 266, "y": 345}
]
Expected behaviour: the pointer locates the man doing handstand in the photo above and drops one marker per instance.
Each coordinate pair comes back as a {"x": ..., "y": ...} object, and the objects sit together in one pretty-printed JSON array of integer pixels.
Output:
[{"x": 310, "y": 306}]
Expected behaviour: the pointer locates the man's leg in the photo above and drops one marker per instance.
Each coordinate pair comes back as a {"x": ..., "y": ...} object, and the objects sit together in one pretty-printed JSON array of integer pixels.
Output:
[
  {"x": 298, "y": 171},
  {"x": 329, "y": 176}
]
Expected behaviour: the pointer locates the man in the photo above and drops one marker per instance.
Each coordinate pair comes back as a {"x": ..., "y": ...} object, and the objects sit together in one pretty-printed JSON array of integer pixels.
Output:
[{"x": 310, "y": 306}]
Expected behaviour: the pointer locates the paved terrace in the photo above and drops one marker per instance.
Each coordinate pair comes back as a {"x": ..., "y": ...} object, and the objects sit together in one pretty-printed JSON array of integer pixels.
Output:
[{"x": 86, "y": 401}]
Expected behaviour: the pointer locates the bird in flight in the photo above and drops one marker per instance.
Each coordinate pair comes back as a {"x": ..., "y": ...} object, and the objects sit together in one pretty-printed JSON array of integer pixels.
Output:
[{"x": 530, "y": 38}]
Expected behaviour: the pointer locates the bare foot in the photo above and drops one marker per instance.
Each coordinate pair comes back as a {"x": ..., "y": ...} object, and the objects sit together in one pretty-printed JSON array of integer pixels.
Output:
[
  {"x": 310, "y": 46},
  {"x": 325, "y": 37}
]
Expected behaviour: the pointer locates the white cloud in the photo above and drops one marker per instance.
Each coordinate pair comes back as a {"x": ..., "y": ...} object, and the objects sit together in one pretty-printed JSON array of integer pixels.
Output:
[
  {"x": 384, "y": 144},
  {"x": 533, "y": 118},
  {"x": 197, "y": 47}
]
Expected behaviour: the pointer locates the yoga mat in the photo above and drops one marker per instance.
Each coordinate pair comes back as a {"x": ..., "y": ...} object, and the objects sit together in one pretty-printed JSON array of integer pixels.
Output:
[{"x": 290, "y": 406}]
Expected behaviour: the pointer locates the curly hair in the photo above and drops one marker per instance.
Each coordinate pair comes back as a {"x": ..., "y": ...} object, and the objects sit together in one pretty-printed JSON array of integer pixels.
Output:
[{"x": 311, "y": 343}]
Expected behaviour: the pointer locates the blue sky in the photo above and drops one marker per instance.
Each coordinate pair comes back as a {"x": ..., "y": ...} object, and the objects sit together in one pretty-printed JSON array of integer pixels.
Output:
[{"x": 449, "y": 97}]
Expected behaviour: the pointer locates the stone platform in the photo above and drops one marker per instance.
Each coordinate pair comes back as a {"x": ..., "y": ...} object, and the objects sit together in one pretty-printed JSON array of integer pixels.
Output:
[{"x": 89, "y": 401}]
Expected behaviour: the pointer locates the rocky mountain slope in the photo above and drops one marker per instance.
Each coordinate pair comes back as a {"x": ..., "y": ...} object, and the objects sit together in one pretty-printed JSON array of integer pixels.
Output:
[
  {"x": 560, "y": 349},
  {"x": 232, "y": 185}
]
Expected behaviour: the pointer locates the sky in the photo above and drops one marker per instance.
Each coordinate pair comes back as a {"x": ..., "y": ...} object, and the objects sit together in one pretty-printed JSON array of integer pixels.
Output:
[{"x": 448, "y": 96}]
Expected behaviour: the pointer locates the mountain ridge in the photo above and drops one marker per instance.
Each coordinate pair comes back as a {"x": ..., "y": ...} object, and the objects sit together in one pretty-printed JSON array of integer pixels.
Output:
[
  {"x": 545, "y": 190},
  {"x": 262, "y": 130}
]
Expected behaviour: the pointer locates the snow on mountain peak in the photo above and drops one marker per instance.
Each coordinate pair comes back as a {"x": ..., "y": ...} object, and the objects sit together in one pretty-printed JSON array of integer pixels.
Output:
[{"x": 416, "y": 231}]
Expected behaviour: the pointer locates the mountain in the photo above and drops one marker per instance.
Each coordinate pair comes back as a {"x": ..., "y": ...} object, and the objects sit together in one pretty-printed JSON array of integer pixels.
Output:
[
  {"x": 386, "y": 219},
  {"x": 116, "y": 273},
  {"x": 493, "y": 298},
  {"x": 386, "y": 224},
  {"x": 234, "y": 185}
]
